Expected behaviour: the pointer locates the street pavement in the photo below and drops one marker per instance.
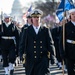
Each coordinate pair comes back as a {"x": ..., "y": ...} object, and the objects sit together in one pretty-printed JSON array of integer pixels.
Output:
[
  {"x": 54, "y": 70},
  {"x": 19, "y": 70}
]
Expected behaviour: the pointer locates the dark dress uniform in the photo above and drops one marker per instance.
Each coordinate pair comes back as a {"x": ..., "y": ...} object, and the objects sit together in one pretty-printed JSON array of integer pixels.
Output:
[
  {"x": 36, "y": 47},
  {"x": 56, "y": 35},
  {"x": 26, "y": 25},
  {"x": 69, "y": 52},
  {"x": 9, "y": 37},
  {"x": 0, "y": 51},
  {"x": 21, "y": 36},
  {"x": 21, "y": 52}
]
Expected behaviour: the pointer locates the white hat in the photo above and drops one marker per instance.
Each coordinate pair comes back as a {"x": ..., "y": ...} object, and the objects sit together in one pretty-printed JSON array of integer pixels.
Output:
[
  {"x": 6, "y": 16},
  {"x": 71, "y": 10},
  {"x": 36, "y": 12}
]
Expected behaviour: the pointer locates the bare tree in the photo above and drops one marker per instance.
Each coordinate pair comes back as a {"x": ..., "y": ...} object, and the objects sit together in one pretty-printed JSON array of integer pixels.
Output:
[{"x": 48, "y": 7}]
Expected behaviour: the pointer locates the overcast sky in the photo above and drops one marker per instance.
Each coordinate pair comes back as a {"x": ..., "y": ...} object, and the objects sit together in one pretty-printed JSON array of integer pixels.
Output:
[{"x": 6, "y": 5}]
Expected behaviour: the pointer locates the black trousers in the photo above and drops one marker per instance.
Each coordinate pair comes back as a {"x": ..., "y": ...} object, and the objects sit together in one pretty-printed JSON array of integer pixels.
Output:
[
  {"x": 57, "y": 50},
  {"x": 70, "y": 67},
  {"x": 9, "y": 56},
  {"x": 0, "y": 52}
]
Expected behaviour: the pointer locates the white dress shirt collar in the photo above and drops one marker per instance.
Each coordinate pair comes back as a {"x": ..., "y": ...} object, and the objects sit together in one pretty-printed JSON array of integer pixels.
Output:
[
  {"x": 36, "y": 28},
  {"x": 7, "y": 24}
]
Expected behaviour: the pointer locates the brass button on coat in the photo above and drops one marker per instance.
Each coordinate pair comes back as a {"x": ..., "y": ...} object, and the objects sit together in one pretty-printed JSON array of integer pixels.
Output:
[
  {"x": 40, "y": 46},
  {"x": 40, "y": 52},
  {"x": 34, "y": 51},
  {"x": 34, "y": 41},
  {"x": 34, "y": 46},
  {"x": 40, "y": 41},
  {"x": 34, "y": 56}
]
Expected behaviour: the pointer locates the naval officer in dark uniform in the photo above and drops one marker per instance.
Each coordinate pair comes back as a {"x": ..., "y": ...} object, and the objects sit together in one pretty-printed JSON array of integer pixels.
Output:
[
  {"x": 69, "y": 52},
  {"x": 36, "y": 43},
  {"x": 56, "y": 37},
  {"x": 9, "y": 37},
  {"x": 29, "y": 22}
]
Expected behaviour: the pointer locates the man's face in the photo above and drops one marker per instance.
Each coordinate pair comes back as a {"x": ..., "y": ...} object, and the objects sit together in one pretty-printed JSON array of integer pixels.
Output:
[
  {"x": 73, "y": 16},
  {"x": 7, "y": 20},
  {"x": 36, "y": 19},
  {"x": 29, "y": 20}
]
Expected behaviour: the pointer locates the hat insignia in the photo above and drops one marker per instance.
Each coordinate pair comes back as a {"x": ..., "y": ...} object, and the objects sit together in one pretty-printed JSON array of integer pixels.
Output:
[{"x": 36, "y": 12}]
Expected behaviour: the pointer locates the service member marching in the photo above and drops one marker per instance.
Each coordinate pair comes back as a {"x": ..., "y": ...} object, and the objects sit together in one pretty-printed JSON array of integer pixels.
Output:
[
  {"x": 9, "y": 37},
  {"x": 69, "y": 52},
  {"x": 36, "y": 44},
  {"x": 29, "y": 22}
]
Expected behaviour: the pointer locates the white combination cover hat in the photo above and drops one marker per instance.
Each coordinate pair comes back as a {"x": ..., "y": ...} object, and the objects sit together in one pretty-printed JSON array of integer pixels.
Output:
[
  {"x": 6, "y": 16},
  {"x": 72, "y": 10}
]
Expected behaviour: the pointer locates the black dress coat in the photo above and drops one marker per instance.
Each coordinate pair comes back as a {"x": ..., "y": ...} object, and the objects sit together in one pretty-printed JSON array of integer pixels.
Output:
[
  {"x": 69, "y": 51},
  {"x": 21, "y": 37},
  {"x": 56, "y": 37},
  {"x": 36, "y": 47}
]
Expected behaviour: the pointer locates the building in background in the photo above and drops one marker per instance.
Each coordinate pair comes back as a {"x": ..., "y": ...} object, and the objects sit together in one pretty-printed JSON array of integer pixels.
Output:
[{"x": 17, "y": 11}]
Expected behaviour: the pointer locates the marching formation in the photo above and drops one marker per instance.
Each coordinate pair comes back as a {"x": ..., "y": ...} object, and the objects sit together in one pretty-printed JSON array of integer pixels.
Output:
[{"x": 37, "y": 46}]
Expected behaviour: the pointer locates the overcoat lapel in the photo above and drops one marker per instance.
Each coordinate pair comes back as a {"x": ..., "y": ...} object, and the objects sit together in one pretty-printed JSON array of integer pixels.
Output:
[
  {"x": 33, "y": 33},
  {"x": 40, "y": 32}
]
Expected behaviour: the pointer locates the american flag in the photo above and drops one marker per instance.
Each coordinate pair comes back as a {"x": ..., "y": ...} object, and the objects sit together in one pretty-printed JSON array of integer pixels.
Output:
[{"x": 25, "y": 14}]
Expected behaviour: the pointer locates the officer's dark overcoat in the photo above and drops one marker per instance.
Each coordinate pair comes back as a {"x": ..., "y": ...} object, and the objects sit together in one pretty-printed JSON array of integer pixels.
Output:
[
  {"x": 21, "y": 37},
  {"x": 37, "y": 47}
]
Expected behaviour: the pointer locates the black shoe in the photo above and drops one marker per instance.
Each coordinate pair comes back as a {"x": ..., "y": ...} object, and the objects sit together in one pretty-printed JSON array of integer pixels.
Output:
[{"x": 11, "y": 72}]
